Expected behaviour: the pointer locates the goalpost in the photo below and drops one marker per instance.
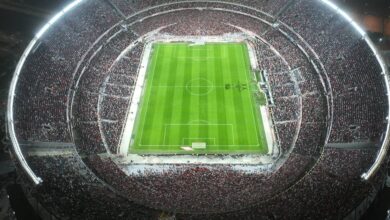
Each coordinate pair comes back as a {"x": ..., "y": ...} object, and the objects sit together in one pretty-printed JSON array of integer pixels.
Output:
[
  {"x": 195, "y": 146},
  {"x": 199, "y": 145}
]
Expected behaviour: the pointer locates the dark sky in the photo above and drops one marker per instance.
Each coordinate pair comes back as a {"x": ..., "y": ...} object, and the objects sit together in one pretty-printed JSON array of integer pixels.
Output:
[{"x": 369, "y": 7}]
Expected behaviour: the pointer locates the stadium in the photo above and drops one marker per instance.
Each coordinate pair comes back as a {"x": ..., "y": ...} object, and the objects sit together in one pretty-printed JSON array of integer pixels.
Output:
[{"x": 180, "y": 109}]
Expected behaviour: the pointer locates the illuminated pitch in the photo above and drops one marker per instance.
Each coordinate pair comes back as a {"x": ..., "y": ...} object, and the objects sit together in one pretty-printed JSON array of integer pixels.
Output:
[{"x": 200, "y": 94}]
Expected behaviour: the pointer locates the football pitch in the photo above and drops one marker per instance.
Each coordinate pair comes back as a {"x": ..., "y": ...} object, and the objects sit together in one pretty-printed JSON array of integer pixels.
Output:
[{"x": 199, "y": 94}]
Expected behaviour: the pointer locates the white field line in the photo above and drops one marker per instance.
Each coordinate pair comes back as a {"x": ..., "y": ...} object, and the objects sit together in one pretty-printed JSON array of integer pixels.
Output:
[
  {"x": 196, "y": 139},
  {"x": 251, "y": 98},
  {"x": 148, "y": 98},
  {"x": 125, "y": 143},
  {"x": 233, "y": 134},
  {"x": 230, "y": 145},
  {"x": 252, "y": 56},
  {"x": 263, "y": 109}
]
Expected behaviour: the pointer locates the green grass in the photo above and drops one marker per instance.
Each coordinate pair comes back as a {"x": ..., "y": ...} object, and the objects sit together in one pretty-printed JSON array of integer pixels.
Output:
[{"x": 203, "y": 93}]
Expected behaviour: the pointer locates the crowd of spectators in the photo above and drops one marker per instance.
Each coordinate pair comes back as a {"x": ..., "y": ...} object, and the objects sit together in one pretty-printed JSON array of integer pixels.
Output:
[
  {"x": 71, "y": 190},
  {"x": 265, "y": 6},
  {"x": 50, "y": 65},
  {"x": 286, "y": 131},
  {"x": 104, "y": 92},
  {"x": 286, "y": 109},
  {"x": 77, "y": 66},
  {"x": 78, "y": 186},
  {"x": 359, "y": 96},
  {"x": 200, "y": 183}
]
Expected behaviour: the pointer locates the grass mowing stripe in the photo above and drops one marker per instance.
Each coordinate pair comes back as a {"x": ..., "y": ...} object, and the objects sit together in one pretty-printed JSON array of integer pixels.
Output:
[
  {"x": 246, "y": 96},
  {"x": 255, "y": 125},
  {"x": 160, "y": 95},
  {"x": 199, "y": 66},
  {"x": 178, "y": 98},
  {"x": 260, "y": 125},
  {"x": 169, "y": 106},
  {"x": 219, "y": 77},
  {"x": 227, "y": 77},
  {"x": 194, "y": 130},
  {"x": 140, "y": 120},
  {"x": 203, "y": 95},
  {"x": 149, "y": 111},
  {"x": 212, "y": 110},
  {"x": 185, "y": 108},
  {"x": 239, "y": 110}
]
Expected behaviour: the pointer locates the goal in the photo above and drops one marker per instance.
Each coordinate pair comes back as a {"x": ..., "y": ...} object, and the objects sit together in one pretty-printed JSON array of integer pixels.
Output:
[{"x": 199, "y": 145}]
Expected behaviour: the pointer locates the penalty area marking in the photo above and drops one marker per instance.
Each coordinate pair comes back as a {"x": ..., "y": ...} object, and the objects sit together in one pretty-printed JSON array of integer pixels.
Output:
[
  {"x": 198, "y": 140},
  {"x": 166, "y": 125},
  {"x": 230, "y": 145}
]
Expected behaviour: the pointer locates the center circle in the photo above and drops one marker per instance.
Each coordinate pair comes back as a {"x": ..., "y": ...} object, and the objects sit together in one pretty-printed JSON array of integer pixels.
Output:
[{"x": 199, "y": 86}]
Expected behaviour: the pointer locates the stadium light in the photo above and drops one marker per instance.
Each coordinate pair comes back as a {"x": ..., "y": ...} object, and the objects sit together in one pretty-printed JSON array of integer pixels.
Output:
[
  {"x": 11, "y": 96},
  {"x": 385, "y": 145}
]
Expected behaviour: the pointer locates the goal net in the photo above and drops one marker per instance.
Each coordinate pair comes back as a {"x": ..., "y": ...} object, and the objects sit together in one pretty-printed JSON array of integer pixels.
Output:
[{"x": 199, "y": 145}]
